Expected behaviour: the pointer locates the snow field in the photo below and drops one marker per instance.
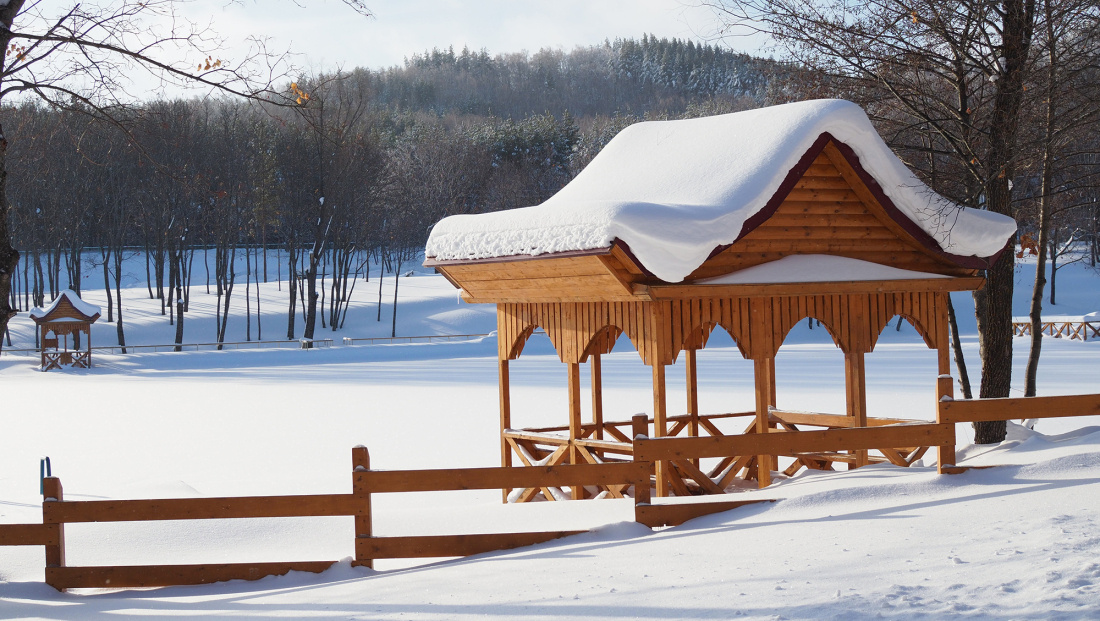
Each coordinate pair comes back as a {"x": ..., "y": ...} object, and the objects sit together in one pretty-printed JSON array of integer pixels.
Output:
[{"x": 1014, "y": 542}]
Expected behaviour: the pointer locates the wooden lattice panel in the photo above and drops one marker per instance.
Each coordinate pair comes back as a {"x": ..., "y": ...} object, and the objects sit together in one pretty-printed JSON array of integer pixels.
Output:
[{"x": 661, "y": 330}]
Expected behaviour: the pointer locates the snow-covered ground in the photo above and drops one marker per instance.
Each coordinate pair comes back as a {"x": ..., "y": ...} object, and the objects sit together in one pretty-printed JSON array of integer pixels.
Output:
[{"x": 1016, "y": 542}]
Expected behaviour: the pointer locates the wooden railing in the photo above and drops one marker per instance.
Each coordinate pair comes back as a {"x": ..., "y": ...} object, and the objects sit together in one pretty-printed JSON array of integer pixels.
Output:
[
  {"x": 950, "y": 411},
  {"x": 1083, "y": 330},
  {"x": 681, "y": 456},
  {"x": 57, "y": 512},
  {"x": 979, "y": 410},
  {"x": 551, "y": 445}
]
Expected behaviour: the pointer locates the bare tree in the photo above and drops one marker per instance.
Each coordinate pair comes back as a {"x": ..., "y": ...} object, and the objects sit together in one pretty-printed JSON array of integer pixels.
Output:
[
  {"x": 81, "y": 55},
  {"x": 956, "y": 70},
  {"x": 1069, "y": 40}
]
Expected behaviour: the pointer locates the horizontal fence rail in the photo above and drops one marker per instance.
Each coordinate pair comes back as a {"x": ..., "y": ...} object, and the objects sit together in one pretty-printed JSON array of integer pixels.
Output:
[
  {"x": 790, "y": 442},
  {"x": 980, "y": 410},
  {"x": 321, "y": 505}
]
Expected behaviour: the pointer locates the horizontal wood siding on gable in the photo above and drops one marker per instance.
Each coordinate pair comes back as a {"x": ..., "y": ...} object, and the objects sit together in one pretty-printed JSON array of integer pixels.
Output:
[{"x": 828, "y": 211}]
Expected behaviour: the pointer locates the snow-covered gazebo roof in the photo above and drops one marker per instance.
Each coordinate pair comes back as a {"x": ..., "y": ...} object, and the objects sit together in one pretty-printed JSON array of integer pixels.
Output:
[
  {"x": 675, "y": 192},
  {"x": 66, "y": 307}
]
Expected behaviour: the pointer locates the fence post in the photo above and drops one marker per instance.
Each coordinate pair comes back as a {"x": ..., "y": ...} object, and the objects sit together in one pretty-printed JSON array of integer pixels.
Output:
[
  {"x": 55, "y": 554},
  {"x": 639, "y": 426},
  {"x": 945, "y": 391},
  {"x": 360, "y": 462}
]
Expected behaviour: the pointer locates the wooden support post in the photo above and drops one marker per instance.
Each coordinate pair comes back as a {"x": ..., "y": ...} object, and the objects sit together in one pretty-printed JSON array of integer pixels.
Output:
[
  {"x": 575, "y": 421},
  {"x": 505, "y": 419},
  {"x": 660, "y": 425},
  {"x": 360, "y": 461},
  {"x": 764, "y": 375},
  {"x": 55, "y": 554},
  {"x": 692, "y": 392},
  {"x": 855, "y": 381},
  {"x": 597, "y": 395},
  {"x": 945, "y": 384},
  {"x": 639, "y": 426}
]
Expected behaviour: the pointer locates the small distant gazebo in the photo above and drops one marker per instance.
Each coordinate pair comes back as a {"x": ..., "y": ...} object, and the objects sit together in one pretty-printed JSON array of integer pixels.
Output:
[
  {"x": 59, "y": 328},
  {"x": 749, "y": 222}
]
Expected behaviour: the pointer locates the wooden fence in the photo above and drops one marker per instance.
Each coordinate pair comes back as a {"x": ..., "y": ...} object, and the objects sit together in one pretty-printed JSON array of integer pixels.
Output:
[
  {"x": 1083, "y": 330},
  {"x": 57, "y": 512},
  {"x": 680, "y": 454}
]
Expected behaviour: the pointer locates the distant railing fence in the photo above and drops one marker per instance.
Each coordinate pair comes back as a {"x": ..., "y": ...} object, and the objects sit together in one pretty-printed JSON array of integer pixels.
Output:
[
  {"x": 288, "y": 344},
  {"x": 1083, "y": 330}
]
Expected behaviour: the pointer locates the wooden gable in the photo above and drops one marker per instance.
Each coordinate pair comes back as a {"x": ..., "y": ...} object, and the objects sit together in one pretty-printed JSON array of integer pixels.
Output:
[
  {"x": 831, "y": 210},
  {"x": 65, "y": 310}
]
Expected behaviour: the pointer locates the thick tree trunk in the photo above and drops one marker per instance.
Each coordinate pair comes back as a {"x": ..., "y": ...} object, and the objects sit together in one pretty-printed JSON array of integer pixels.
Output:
[
  {"x": 9, "y": 256},
  {"x": 311, "y": 293},
  {"x": 993, "y": 304}
]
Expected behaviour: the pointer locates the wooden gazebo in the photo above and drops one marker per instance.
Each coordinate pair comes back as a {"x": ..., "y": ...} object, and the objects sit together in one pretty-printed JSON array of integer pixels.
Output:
[
  {"x": 60, "y": 325},
  {"x": 826, "y": 240}
]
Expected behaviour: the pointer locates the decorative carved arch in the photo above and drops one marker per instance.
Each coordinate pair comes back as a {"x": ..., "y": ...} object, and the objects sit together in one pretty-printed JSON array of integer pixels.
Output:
[
  {"x": 917, "y": 325},
  {"x": 787, "y": 326},
  {"x": 697, "y": 339},
  {"x": 602, "y": 342},
  {"x": 515, "y": 348}
]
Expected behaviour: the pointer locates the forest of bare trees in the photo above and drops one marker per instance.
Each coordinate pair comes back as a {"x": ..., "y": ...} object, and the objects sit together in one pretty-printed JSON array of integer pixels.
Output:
[
  {"x": 353, "y": 175},
  {"x": 359, "y": 169}
]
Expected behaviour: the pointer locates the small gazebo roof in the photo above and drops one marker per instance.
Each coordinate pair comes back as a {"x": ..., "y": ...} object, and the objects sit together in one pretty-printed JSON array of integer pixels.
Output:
[
  {"x": 66, "y": 307},
  {"x": 672, "y": 194}
]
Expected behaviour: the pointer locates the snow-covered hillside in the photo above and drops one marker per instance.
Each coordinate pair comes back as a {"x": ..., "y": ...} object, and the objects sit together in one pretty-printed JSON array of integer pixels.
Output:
[{"x": 1018, "y": 541}]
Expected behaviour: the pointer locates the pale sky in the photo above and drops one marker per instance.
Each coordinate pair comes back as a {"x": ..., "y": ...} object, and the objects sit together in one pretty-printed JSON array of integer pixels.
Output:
[{"x": 327, "y": 33}]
